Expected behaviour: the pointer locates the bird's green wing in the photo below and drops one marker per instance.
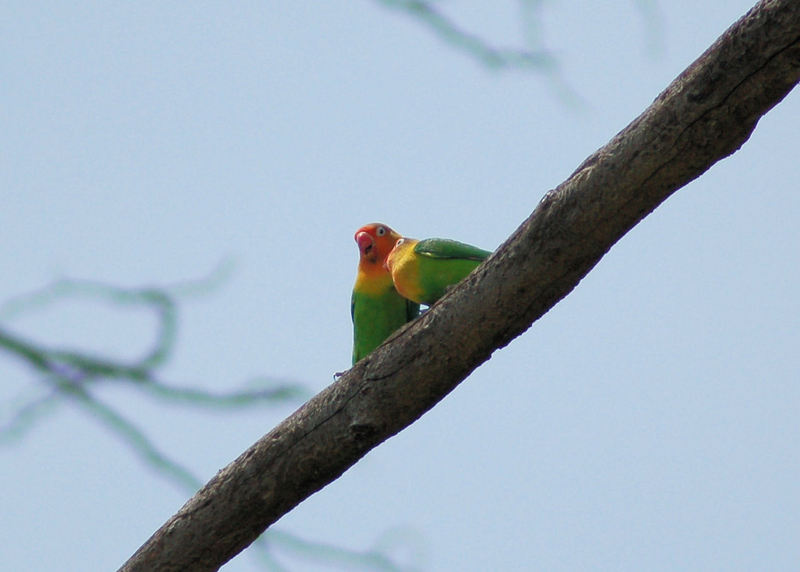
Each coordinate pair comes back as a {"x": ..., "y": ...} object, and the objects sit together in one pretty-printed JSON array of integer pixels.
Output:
[{"x": 446, "y": 248}]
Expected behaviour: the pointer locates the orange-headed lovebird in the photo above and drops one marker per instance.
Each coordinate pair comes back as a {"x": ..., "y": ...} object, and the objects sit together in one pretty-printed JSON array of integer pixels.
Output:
[
  {"x": 376, "y": 307},
  {"x": 423, "y": 270}
]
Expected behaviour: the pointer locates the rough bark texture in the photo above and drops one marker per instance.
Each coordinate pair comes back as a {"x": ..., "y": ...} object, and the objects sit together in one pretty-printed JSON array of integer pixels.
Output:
[{"x": 707, "y": 113}]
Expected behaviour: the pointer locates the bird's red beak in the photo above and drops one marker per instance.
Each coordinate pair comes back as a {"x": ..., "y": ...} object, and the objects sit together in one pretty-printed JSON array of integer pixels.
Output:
[{"x": 365, "y": 242}]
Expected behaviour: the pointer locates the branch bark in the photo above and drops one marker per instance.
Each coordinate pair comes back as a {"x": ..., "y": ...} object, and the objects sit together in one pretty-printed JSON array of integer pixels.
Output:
[{"x": 706, "y": 114}]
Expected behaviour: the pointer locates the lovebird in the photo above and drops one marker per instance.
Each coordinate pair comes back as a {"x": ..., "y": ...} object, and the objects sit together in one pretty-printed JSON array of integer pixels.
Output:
[
  {"x": 423, "y": 270},
  {"x": 375, "y": 306}
]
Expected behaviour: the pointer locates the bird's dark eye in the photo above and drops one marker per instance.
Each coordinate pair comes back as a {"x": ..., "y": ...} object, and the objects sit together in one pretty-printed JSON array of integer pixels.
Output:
[
  {"x": 400, "y": 241},
  {"x": 380, "y": 231}
]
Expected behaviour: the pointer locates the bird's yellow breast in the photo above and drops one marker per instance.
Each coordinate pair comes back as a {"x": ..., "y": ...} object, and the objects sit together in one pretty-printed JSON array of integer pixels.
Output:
[
  {"x": 405, "y": 271},
  {"x": 373, "y": 283}
]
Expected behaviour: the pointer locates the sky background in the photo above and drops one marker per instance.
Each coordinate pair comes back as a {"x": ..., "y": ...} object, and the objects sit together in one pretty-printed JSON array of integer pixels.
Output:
[{"x": 648, "y": 421}]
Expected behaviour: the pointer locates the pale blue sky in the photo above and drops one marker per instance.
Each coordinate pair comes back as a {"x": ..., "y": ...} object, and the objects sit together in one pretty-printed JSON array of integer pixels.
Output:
[{"x": 649, "y": 421}]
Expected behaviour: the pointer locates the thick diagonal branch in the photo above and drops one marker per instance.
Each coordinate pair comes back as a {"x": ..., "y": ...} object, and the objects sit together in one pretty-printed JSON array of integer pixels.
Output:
[{"x": 707, "y": 113}]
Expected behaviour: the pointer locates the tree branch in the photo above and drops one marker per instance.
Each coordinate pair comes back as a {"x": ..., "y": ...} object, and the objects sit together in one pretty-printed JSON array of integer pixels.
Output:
[{"x": 706, "y": 114}]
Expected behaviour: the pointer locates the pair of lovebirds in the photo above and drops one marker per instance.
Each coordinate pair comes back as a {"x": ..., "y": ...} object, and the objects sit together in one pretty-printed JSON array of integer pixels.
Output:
[{"x": 396, "y": 275}]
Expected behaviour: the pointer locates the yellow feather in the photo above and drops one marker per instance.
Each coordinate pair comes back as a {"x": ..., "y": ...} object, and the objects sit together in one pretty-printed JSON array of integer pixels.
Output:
[{"x": 404, "y": 266}]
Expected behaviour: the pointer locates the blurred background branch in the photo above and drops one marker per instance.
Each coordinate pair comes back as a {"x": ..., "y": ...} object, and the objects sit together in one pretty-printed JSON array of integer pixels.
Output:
[
  {"x": 482, "y": 50},
  {"x": 70, "y": 375},
  {"x": 533, "y": 54}
]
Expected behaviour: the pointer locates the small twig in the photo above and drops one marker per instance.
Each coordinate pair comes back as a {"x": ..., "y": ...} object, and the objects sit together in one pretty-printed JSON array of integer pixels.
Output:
[
  {"x": 132, "y": 436},
  {"x": 350, "y": 559},
  {"x": 238, "y": 398},
  {"x": 488, "y": 55},
  {"x": 26, "y": 416}
]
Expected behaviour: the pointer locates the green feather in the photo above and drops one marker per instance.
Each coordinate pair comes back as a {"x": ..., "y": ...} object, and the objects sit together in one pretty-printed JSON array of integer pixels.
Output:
[
  {"x": 446, "y": 248},
  {"x": 442, "y": 263},
  {"x": 375, "y": 317}
]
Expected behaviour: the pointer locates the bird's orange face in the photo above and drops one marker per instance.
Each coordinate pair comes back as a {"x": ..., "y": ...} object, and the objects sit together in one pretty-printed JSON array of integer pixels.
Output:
[{"x": 375, "y": 242}]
